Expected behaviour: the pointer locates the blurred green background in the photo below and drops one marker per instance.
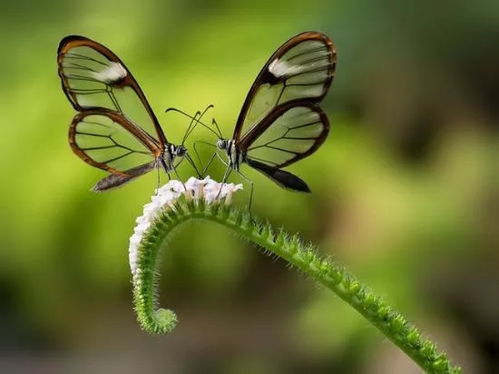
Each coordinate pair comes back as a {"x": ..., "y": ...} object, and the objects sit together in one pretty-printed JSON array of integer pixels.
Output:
[{"x": 405, "y": 191}]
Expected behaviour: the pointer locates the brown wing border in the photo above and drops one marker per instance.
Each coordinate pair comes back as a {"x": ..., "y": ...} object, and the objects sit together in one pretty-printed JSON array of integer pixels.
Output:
[
  {"x": 279, "y": 110},
  {"x": 266, "y": 77},
  {"x": 73, "y": 41},
  {"x": 118, "y": 118}
]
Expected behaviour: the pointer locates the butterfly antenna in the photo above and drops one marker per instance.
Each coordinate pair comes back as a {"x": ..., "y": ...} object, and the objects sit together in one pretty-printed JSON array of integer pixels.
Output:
[
  {"x": 214, "y": 122},
  {"x": 205, "y": 110},
  {"x": 189, "y": 116},
  {"x": 198, "y": 119},
  {"x": 191, "y": 127},
  {"x": 193, "y": 164}
]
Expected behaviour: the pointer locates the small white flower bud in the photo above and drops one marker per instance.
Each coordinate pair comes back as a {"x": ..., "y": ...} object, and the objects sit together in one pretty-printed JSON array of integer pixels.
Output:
[{"x": 165, "y": 198}]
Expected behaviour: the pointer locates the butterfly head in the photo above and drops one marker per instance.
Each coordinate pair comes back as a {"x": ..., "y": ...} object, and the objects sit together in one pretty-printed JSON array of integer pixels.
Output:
[
  {"x": 223, "y": 144},
  {"x": 170, "y": 154},
  {"x": 180, "y": 151}
]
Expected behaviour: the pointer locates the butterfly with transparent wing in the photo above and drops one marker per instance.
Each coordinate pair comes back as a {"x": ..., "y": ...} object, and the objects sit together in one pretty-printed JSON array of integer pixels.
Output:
[
  {"x": 280, "y": 121},
  {"x": 112, "y": 129}
]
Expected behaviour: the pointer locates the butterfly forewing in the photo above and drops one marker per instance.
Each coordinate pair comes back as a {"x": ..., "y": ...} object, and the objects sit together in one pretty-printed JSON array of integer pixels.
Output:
[
  {"x": 300, "y": 70},
  {"x": 109, "y": 141},
  {"x": 288, "y": 134},
  {"x": 93, "y": 77}
]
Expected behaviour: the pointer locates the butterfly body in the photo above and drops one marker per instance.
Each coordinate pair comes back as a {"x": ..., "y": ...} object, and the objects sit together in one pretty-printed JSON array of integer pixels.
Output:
[
  {"x": 115, "y": 128},
  {"x": 280, "y": 121},
  {"x": 235, "y": 156},
  {"x": 170, "y": 154}
]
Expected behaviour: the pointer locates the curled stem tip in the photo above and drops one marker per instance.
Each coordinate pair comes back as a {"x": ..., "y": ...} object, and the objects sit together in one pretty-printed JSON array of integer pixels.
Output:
[{"x": 152, "y": 233}]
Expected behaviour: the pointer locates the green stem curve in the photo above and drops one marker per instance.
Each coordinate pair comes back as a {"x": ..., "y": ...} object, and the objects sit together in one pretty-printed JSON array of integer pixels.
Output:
[{"x": 390, "y": 322}]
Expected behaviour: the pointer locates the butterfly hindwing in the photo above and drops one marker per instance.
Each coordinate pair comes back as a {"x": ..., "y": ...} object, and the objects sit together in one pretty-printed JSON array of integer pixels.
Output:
[
  {"x": 107, "y": 140},
  {"x": 289, "y": 133}
]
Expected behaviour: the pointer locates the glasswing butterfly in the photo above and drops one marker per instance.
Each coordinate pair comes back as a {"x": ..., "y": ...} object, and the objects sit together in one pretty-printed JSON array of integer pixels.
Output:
[
  {"x": 103, "y": 133},
  {"x": 280, "y": 121}
]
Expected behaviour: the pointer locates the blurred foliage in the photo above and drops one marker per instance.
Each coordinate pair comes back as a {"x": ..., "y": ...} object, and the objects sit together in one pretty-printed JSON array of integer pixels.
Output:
[{"x": 405, "y": 190}]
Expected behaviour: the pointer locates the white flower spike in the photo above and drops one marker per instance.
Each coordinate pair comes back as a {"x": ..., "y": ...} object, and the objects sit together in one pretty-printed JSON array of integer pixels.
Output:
[{"x": 165, "y": 198}]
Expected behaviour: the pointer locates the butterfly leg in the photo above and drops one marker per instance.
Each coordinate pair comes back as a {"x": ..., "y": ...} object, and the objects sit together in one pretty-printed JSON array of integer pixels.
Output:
[
  {"x": 199, "y": 157},
  {"x": 158, "y": 179},
  {"x": 250, "y": 204},
  {"x": 223, "y": 162},
  {"x": 226, "y": 177},
  {"x": 193, "y": 164},
  {"x": 176, "y": 173},
  {"x": 224, "y": 180},
  {"x": 226, "y": 174},
  {"x": 209, "y": 163},
  {"x": 250, "y": 182}
]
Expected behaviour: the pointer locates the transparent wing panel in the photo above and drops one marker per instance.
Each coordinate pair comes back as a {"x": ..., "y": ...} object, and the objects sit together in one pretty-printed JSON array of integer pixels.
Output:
[{"x": 293, "y": 135}]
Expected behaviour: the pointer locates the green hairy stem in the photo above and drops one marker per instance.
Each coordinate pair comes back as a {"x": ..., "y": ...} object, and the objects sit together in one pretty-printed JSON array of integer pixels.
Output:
[{"x": 290, "y": 248}]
